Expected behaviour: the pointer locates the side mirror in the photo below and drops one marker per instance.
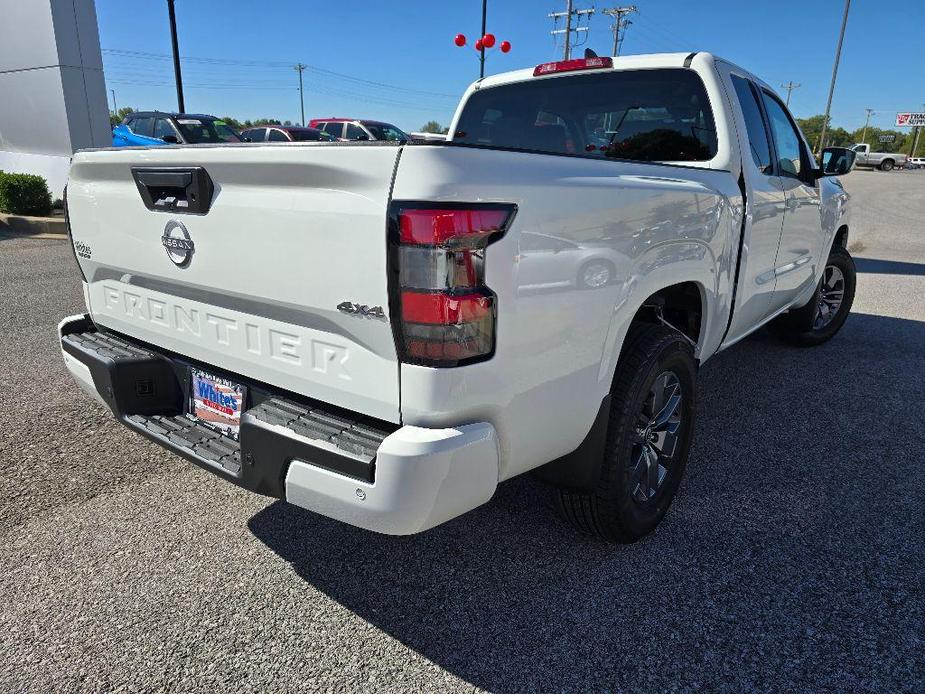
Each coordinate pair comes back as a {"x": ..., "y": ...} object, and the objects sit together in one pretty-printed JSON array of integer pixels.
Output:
[
  {"x": 172, "y": 139},
  {"x": 246, "y": 139},
  {"x": 837, "y": 161}
]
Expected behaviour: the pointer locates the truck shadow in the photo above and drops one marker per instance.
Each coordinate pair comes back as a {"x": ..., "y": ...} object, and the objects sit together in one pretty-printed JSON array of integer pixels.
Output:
[{"x": 768, "y": 566}]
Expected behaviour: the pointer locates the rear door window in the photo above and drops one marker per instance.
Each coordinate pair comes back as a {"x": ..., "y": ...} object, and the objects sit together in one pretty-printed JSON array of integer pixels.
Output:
[
  {"x": 355, "y": 132},
  {"x": 335, "y": 129},
  {"x": 277, "y": 136},
  {"x": 640, "y": 115},
  {"x": 754, "y": 124},
  {"x": 144, "y": 125},
  {"x": 786, "y": 138},
  {"x": 163, "y": 127}
]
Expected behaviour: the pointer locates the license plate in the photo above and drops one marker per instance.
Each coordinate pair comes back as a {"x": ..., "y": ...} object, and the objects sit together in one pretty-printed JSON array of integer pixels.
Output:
[{"x": 217, "y": 402}]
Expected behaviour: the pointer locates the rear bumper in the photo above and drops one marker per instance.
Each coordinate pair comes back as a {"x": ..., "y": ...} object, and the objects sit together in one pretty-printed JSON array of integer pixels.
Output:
[{"x": 343, "y": 465}]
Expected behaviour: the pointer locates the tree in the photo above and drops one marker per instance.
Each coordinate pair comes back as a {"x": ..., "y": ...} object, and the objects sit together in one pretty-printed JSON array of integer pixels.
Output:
[
  {"x": 433, "y": 126},
  {"x": 812, "y": 128},
  {"x": 117, "y": 118},
  {"x": 233, "y": 123}
]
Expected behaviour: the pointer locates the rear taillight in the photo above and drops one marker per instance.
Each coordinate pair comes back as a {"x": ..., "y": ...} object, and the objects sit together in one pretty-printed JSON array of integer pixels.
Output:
[
  {"x": 444, "y": 313},
  {"x": 572, "y": 65}
]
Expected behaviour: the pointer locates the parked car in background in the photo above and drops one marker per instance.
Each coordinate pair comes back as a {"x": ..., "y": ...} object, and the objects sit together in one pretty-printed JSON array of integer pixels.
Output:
[
  {"x": 285, "y": 133},
  {"x": 916, "y": 163},
  {"x": 147, "y": 128},
  {"x": 349, "y": 129},
  {"x": 885, "y": 161},
  {"x": 545, "y": 261}
]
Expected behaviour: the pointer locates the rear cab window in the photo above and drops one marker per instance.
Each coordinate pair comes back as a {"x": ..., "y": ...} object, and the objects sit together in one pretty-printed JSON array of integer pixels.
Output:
[{"x": 659, "y": 115}]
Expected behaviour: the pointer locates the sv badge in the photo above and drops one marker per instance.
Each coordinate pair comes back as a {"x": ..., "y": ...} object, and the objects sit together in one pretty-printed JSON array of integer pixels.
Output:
[{"x": 360, "y": 310}]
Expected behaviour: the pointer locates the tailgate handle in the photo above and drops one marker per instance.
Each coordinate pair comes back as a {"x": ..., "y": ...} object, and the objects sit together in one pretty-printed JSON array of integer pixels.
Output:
[{"x": 184, "y": 190}]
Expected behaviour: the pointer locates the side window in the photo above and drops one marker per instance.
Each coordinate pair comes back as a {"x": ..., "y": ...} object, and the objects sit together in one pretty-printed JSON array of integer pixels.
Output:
[
  {"x": 754, "y": 124},
  {"x": 277, "y": 136},
  {"x": 355, "y": 132},
  {"x": 162, "y": 127},
  {"x": 335, "y": 129},
  {"x": 258, "y": 135},
  {"x": 143, "y": 126},
  {"x": 789, "y": 151}
]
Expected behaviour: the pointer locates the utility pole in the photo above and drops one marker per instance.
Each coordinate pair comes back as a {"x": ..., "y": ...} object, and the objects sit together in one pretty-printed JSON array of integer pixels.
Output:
[
  {"x": 300, "y": 68},
  {"x": 176, "y": 55},
  {"x": 568, "y": 14},
  {"x": 115, "y": 108},
  {"x": 790, "y": 86},
  {"x": 828, "y": 105},
  {"x": 915, "y": 139},
  {"x": 620, "y": 23},
  {"x": 870, "y": 112}
]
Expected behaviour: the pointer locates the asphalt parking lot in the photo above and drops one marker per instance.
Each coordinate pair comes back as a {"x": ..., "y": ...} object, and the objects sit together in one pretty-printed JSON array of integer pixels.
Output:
[{"x": 793, "y": 558}]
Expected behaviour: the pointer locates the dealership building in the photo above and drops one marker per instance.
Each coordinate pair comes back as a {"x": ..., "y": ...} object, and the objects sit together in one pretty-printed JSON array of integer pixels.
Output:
[{"x": 51, "y": 79}]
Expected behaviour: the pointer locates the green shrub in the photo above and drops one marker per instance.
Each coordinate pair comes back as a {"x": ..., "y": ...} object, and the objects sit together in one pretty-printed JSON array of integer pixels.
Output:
[{"x": 24, "y": 194}]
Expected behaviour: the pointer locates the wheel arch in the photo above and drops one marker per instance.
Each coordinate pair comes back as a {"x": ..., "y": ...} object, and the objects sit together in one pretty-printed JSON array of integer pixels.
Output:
[{"x": 841, "y": 237}]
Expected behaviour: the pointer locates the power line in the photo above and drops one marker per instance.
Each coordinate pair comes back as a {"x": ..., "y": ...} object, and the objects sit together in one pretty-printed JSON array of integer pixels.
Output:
[
  {"x": 272, "y": 64},
  {"x": 620, "y": 23}
]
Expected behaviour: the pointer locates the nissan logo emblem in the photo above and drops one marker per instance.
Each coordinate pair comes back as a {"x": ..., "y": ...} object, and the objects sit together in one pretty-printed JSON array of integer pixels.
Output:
[{"x": 177, "y": 241}]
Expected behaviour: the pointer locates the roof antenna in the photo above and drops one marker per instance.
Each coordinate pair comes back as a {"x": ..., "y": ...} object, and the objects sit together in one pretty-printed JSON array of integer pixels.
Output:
[{"x": 589, "y": 53}]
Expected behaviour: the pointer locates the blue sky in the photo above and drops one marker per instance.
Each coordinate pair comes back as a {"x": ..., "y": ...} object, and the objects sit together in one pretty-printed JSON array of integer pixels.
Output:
[{"x": 396, "y": 60}]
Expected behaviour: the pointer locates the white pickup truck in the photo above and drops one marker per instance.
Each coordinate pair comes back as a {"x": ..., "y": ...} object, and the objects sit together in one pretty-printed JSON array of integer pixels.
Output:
[
  {"x": 885, "y": 161},
  {"x": 383, "y": 332}
]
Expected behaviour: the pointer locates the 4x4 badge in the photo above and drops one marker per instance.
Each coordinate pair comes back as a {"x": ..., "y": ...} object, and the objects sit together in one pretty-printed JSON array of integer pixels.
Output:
[
  {"x": 177, "y": 241},
  {"x": 360, "y": 310}
]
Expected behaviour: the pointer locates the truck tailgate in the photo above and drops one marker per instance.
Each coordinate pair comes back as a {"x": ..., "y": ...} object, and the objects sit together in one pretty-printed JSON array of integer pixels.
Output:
[{"x": 251, "y": 286}]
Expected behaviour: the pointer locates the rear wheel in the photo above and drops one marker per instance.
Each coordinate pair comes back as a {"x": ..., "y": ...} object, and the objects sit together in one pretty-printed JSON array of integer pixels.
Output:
[
  {"x": 825, "y": 314},
  {"x": 648, "y": 439},
  {"x": 886, "y": 165}
]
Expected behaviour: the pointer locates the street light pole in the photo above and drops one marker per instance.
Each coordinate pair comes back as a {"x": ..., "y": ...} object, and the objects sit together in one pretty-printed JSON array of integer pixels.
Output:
[
  {"x": 176, "y": 55},
  {"x": 828, "y": 105},
  {"x": 484, "y": 28}
]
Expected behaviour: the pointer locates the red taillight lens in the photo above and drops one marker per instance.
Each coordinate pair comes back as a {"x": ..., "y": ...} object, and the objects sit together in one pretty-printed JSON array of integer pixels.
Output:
[
  {"x": 449, "y": 227},
  {"x": 446, "y": 313},
  {"x": 572, "y": 65}
]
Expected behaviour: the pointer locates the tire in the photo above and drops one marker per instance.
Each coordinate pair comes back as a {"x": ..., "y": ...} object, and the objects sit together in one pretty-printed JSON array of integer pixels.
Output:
[
  {"x": 886, "y": 165},
  {"x": 595, "y": 274},
  {"x": 625, "y": 505},
  {"x": 811, "y": 324}
]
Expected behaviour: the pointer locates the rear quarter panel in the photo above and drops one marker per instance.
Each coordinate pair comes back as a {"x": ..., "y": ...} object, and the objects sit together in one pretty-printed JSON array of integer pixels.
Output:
[{"x": 557, "y": 346}]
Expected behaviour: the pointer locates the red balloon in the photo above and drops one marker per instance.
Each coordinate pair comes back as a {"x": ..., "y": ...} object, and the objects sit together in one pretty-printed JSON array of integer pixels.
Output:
[
  {"x": 478, "y": 44},
  {"x": 505, "y": 46},
  {"x": 460, "y": 40},
  {"x": 488, "y": 40}
]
